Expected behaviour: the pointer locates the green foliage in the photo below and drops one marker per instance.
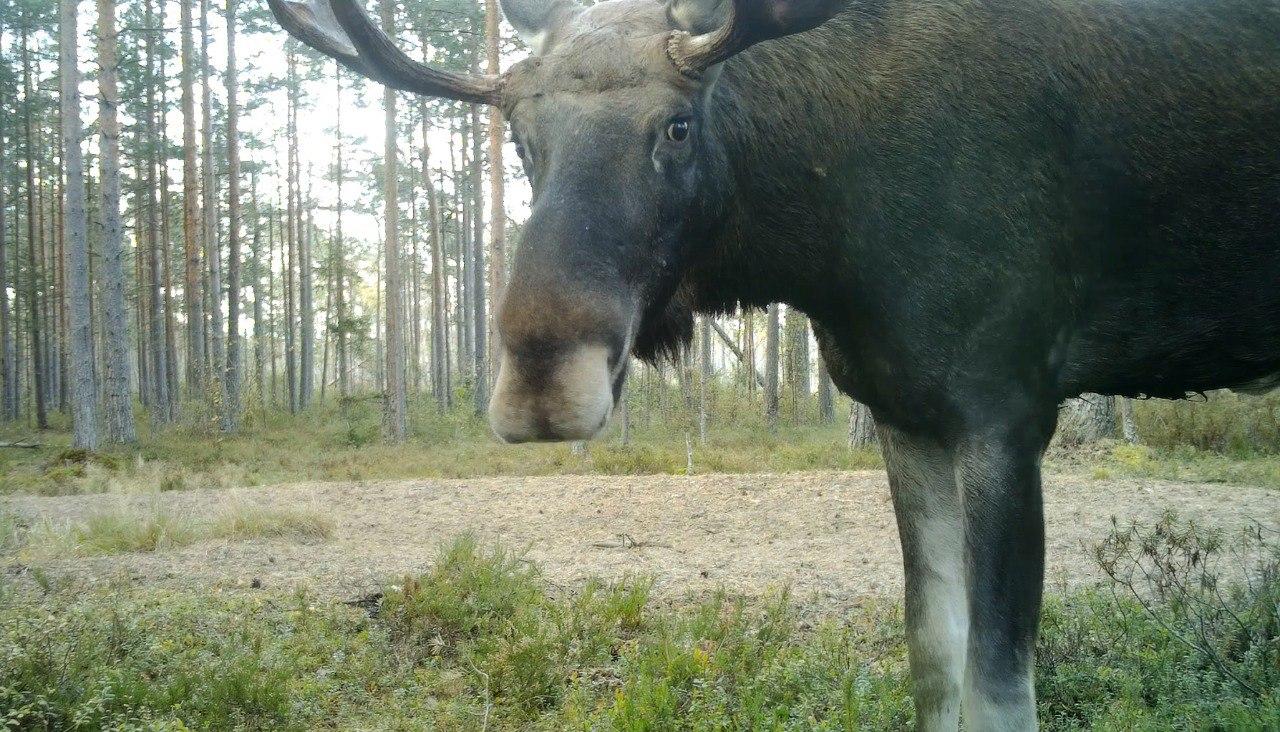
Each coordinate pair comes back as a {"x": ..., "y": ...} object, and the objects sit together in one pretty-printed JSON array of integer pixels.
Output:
[{"x": 479, "y": 641}]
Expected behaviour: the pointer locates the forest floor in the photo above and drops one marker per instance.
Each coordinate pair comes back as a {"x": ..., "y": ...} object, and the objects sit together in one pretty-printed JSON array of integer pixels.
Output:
[{"x": 828, "y": 536}]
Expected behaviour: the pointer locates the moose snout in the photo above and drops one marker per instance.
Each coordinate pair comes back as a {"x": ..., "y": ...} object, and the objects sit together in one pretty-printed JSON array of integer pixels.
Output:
[{"x": 566, "y": 395}]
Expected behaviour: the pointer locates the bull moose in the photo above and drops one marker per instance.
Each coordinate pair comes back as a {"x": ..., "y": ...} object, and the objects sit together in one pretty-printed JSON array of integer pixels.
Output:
[{"x": 984, "y": 207}]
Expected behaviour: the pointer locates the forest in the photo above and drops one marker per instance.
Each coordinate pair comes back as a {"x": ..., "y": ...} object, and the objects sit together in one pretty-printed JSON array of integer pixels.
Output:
[
  {"x": 194, "y": 237},
  {"x": 245, "y": 295}
]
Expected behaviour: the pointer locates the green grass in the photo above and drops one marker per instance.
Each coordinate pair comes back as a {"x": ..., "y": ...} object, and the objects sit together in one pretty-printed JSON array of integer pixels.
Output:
[
  {"x": 1227, "y": 439},
  {"x": 481, "y": 642}
]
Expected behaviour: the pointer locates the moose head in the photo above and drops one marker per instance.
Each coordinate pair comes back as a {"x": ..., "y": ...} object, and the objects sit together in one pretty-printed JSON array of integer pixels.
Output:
[{"x": 611, "y": 122}]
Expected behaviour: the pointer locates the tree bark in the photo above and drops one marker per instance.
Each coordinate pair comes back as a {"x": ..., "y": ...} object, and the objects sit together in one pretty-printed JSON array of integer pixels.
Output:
[
  {"x": 162, "y": 400},
  {"x": 339, "y": 255},
  {"x": 84, "y": 403},
  {"x": 1088, "y": 419},
  {"x": 212, "y": 249},
  {"x": 255, "y": 282},
  {"x": 33, "y": 302},
  {"x": 771, "y": 368},
  {"x": 290, "y": 234},
  {"x": 306, "y": 290},
  {"x": 8, "y": 350},
  {"x": 826, "y": 397},
  {"x": 1128, "y": 424},
  {"x": 497, "y": 211},
  {"x": 438, "y": 334},
  {"x": 396, "y": 401},
  {"x": 480, "y": 321},
  {"x": 232, "y": 378},
  {"x": 862, "y": 427},
  {"x": 704, "y": 359},
  {"x": 193, "y": 296}
]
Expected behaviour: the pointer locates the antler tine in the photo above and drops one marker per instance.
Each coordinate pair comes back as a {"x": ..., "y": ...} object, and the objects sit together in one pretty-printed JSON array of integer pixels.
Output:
[
  {"x": 403, "y": 72},
  {"x": 342, "y": 30}
]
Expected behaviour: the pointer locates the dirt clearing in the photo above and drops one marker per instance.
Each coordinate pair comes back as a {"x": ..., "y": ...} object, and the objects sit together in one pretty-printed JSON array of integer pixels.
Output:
[{"x": 830, "y": 536}]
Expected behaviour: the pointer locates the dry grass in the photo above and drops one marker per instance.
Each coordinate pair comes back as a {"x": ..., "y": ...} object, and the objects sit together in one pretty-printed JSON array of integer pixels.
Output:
[
  {"x": 149, "y": 528},
  {"x": 252, "y": 521}
]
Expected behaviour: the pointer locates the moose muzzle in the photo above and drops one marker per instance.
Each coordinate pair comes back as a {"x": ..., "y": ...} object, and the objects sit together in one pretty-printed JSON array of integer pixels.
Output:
[{"x": 561, "y": 360}]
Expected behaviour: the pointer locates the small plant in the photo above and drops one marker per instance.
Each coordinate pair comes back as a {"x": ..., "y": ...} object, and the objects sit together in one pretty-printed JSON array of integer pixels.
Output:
[{"x": 1219, "y": 599}]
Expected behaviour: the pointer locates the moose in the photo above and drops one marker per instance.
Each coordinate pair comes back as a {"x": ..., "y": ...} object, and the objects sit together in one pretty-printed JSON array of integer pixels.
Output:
[{"x": 984, "y": 207}]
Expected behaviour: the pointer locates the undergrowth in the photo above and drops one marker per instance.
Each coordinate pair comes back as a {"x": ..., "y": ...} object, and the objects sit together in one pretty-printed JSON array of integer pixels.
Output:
[{"x": 480, "y": 641}]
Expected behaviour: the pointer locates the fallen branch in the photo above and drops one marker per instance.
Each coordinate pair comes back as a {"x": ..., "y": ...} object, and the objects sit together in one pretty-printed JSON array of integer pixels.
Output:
[
  {"x": 742, "y": 358},
  {"x": 23, "y": 445}
]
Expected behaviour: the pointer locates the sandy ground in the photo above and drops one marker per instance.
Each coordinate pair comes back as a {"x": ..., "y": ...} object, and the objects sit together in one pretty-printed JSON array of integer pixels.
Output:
[{"x": 830, "y": 536}]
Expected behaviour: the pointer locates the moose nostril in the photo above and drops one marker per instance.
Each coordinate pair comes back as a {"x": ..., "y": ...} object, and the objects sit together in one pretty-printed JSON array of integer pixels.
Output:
[{"x": 569, "y": 397}]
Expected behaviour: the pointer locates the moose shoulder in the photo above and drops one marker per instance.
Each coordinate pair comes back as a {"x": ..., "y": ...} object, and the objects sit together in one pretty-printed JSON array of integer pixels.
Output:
[{"x": 985, "y": 206}]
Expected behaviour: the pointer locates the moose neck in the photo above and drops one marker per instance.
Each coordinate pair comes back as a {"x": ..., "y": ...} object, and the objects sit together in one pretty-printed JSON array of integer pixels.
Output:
[{"x": 786, "y": 115}]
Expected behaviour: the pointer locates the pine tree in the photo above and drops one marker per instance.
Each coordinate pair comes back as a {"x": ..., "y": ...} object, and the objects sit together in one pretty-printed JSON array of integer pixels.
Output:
[
  {"x": 193, "y": 293},
  {"x": 38, "y": 376},
  {"x": 84, "y": 395},
  {"x": 232, "y": 377},
  {"x": 395, "y": 410}
]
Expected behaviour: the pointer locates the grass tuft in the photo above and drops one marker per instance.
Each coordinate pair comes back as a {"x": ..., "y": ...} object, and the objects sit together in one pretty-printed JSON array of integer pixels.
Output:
[{"x": 251, "y": 521}]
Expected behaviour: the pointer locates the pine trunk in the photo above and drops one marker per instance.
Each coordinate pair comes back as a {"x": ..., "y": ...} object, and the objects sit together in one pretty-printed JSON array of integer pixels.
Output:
[
  {"x": 771, "y": 368},
  {"x": 396, "y": 400},
  {"x": 704, "y": 359},
  {"x": 33, "y": 302},
  {"x": 290, "y": 231},
  {"x": 8, "y": 354},
  {"x": 497, "y": 211},
  {"x": 212, "y": 248},
  {"x": 232, "y": 378},
  {"x": 479, "y": 320},
  {"x": 306, "y": 289},
  {"x": 193, "y": 295},
  {"x": 162, "y": 400},
  {"x": 438, "y": 334},
  {"x": 255, "y": 282},
  {"x": 84, "y": 403},
  {"x": 862, "y": 427},
  {"x": 1088, "y": 419},
  {"x": 1128, "y": 424},
  {"x": 339, "y": 255},
  {"x": 826, "y": 396}
]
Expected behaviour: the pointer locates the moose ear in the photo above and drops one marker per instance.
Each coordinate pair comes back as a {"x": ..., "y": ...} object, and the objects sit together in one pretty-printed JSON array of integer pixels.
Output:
[{"x": 537, "y": 20}]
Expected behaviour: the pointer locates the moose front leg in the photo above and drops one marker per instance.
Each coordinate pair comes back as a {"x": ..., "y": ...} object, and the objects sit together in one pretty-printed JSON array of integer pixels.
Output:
[
  {"x": 999, "y": 481},
  {"x": 931, "y": 528}
]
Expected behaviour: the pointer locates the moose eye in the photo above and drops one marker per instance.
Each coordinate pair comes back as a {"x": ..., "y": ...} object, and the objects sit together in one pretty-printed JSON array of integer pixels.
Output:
[{"x": 678, "y": 130}]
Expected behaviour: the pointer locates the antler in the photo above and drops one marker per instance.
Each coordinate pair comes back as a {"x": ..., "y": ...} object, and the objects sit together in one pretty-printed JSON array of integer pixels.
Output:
[
  {"x": 342, "y": 30},
  {"x": 749, "y": 22}
]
